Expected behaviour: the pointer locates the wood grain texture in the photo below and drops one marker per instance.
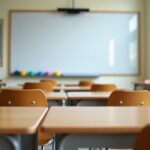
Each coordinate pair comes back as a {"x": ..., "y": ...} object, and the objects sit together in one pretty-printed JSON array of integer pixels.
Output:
[
  {"x": 96, "y": 119},
  {"x": 20, "y": 120}
]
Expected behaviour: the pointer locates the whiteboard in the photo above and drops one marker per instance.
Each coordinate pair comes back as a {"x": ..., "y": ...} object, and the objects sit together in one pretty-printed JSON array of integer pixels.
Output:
[{"x": 85, "y": 44}]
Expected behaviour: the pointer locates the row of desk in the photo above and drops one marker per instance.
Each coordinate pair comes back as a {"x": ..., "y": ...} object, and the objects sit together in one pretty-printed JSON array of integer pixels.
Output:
[
  {"x": 70, "y": 98},
  {"x": 85, "y": 126},
  {"x": 77, "y": 95},
  {"x": 75, "y": 87},
  {"x": 113, "y": 127},
  {"x": 17, "y": 127}
]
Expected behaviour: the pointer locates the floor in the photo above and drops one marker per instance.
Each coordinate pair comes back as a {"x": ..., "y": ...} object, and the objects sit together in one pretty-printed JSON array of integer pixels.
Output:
[{"x": 48, "y": 147}]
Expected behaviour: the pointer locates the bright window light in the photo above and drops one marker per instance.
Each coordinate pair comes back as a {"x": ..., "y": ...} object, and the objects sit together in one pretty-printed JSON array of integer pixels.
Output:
[
  {"x": 133, "y": 24},
  {"x": 132, "y": 53}
]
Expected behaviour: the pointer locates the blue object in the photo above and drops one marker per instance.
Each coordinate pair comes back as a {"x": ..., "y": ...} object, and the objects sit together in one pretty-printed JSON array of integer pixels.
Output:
[
  {"x": 16, "y": 73},
  {"x": 40, "y": 74}
]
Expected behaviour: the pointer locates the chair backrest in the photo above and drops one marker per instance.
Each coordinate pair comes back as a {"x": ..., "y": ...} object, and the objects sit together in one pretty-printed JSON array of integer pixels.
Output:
[
  {"x": 45, "y": 86},
  {"x": 19, "y": 97},
  {"x": 52, "y": 81},
  {"x": 143, "y": 140},
  {"x": 129, "y": 98},
  {"x": 104, "y": 87},
  {"x": 85, "y": 83}
]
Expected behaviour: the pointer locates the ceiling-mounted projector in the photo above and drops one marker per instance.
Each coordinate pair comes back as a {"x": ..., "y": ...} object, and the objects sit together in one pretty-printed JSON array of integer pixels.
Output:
[{"x": 73, "y": 10}]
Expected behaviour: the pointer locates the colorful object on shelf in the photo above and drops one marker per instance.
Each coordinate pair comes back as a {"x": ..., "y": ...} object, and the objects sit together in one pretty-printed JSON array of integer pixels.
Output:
[
  {"x": 47, "y": 73},
  {"x": 23, "y": 73},
  {"x": 16, "y": 73},
  {"x": 31, "y": 73},
  {"x": 40, "y": 73},
  {"x": 58, "y": 74}
]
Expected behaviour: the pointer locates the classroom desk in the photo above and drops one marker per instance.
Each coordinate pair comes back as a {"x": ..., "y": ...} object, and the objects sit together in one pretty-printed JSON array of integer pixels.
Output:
[
  {"x": 113, "y": 127},
  {"x": 18, "y": 127},
  {"x": 76, "y": 88},
  {"x": 88, "y": 95},
  {"x": 69, "y": 88},
  {"x": 71, "y": 84},
  {"x": 56, "y": 95},
  {"x": 2, "y": 83},
  {"x": 89, "y": 98},
  {"x": 141, "y": 84},
  {"x": 56, "y": 98}
]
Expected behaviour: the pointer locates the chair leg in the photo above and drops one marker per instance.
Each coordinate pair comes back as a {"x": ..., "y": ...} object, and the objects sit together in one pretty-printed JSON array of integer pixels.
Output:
[
  {"x": 42, "y": 147},
  {"x": 53, "y": 145}
]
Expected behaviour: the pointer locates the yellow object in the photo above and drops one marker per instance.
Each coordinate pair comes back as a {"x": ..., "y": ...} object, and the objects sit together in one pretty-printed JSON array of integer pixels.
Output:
[
  {"x": 58, "y": 74},
  {"x": 23, "y": 73}
]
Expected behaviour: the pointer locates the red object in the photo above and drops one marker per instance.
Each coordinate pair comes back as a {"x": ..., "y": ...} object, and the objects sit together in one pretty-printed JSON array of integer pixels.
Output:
[{"x": 48, "y": 74}]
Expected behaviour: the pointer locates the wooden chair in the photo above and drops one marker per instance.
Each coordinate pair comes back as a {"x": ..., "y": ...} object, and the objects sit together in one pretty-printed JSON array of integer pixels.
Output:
[
  {"x": 45, "y": 86},
  {"x": 98, "y": 88},
  {"x": 142, "y": 142},
  {"x": 129, "y": 98},
  {"x": 103, "y": 87},
  {"x": 52, "y": 81},
  {"x": 147, "y": 82},
  {"x": 85, "y": 83},
  {"x": 19, "y": 97},
  {"x": 29, "y": 98}
]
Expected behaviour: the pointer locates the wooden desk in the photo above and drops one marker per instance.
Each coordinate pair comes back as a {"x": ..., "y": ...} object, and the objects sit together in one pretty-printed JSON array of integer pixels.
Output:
[
  {"x": 21, "y": 124},
  {"x": 56, "y": 95},
  {"x": 114, "y": 127},
  {"x": 56, "y": 98},
  {"x": 141, "y": 84},
  {"x": 88, "y": 95},
  {"x": 2, "y": 83},
  {"x": 67, "y": 88},
  {"x": 72, "y": 88},
  {"x": 76, "y": 88},
  {"x": 88, "y": 98},
  {"x": 71, "y": 84}
]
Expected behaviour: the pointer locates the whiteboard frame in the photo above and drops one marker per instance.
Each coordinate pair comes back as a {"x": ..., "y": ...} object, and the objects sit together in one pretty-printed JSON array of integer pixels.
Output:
[
  {"x": 2, "y": 42},
  {"x": 91, "y": 11}
]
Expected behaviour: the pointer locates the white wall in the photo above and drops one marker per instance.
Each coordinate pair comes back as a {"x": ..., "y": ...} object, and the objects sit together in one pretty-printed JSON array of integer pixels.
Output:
[
  {"x": 148, "y": 36},
  {"x": 107, "y": 5}
]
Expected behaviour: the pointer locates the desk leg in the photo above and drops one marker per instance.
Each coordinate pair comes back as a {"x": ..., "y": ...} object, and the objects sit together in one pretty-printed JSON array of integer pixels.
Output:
[
  {"x": 29, "y": 142},
  {"x": 75, "y": 141},
  {"x": 135, "y": 86}
]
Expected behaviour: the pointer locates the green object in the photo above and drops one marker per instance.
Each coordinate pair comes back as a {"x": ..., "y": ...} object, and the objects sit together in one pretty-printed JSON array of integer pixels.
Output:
[{"x": 31, "y": 73}]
